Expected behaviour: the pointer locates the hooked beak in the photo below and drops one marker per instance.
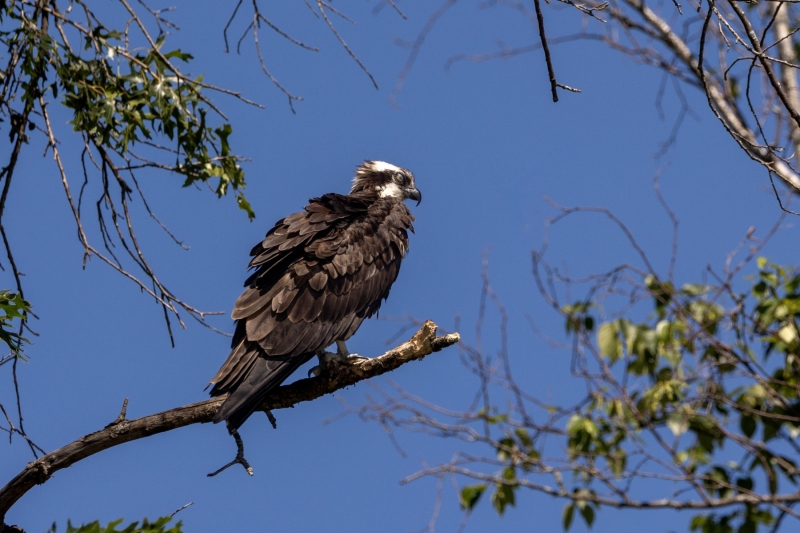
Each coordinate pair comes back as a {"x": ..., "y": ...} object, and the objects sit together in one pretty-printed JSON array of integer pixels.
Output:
[{"x": 414, "y": 194}]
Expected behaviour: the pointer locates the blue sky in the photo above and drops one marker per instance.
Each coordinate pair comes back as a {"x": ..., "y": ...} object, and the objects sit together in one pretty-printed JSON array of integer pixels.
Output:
[{"x": 485, "y": 142}]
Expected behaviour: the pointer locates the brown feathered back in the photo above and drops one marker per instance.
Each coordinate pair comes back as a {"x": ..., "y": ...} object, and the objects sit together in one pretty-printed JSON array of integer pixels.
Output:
[{"x": 319, "y": 274}]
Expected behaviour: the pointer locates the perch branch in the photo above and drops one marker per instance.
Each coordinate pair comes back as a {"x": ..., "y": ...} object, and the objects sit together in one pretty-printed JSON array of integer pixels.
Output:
[{"x": 423, "y": 343}]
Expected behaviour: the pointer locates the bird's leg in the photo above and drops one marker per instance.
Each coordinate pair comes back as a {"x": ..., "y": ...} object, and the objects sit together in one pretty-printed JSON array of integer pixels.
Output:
[
  {"x": 317, "y": 370},
  {"x": 239, "y": 459},
  {"x": 341, "y": 355},
  {"x": 344, "y": 355}
]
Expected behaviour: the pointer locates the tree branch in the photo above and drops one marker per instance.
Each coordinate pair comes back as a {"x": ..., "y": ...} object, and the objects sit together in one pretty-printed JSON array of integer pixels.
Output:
[
  {"x": 423, "y": 343},
  {"x": 785, "y": 46},
  {"x": 721, "y": 102}
]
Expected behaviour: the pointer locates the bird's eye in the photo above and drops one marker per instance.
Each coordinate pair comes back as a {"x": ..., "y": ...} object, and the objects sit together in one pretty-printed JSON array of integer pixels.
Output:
[{"x": 400, "y": 178}]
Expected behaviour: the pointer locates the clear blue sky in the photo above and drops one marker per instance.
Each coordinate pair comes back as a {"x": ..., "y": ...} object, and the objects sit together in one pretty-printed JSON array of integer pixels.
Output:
[{"x": 485, "y": 142}]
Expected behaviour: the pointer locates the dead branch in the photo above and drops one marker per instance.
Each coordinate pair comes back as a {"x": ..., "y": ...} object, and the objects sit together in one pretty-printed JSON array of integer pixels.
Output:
[{"x": 423, "y": 343}]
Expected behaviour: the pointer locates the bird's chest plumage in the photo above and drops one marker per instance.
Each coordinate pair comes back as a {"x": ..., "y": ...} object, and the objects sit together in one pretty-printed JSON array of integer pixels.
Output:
[
  {"x": 332, "y": 265},
  {"x": 386, "y": 222}
]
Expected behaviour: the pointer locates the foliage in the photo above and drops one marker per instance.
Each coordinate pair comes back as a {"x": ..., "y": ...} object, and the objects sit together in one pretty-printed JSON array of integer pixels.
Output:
[
  {"x": 159, "y": 526},
  {"x": 12, "y": 308},
  {"x": 114, "y": 87},
  {"x": 133, "y": 109},
  {"x": 700, "y": 397},
  {"x": 692, "y": 390},
  {"x": 118, "y": 97},
  {"x": 711, "y": 372}
]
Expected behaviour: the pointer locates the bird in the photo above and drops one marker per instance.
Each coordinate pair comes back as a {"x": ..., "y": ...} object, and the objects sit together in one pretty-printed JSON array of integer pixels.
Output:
[{"x": 317, "y": 275}]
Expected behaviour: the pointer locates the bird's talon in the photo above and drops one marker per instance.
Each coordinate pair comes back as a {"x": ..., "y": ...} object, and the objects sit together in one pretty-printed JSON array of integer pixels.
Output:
[{"x": 315, "y": 371}]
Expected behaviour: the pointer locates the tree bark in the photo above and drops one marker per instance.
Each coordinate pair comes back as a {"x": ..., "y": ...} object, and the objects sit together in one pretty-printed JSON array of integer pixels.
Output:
[{"x": 338, "y": 376}]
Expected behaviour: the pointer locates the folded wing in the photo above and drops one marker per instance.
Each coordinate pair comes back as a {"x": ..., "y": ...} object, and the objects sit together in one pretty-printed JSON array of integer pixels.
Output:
[{"x": 318, "y": 275}]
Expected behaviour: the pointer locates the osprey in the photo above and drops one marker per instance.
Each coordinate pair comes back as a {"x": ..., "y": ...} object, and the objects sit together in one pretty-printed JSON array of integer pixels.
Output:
[{"x": 318, "y": 274}]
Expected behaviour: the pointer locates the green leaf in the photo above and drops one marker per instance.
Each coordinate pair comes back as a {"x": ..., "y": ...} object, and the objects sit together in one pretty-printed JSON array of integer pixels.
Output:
[
  {"x": 748, "y": 425},
  {"x": 484, "y": 414},
  {"x": 566, "y": 515},
  {"x": 771, "y": 428},
  {"x": 587, "y": 512},
  {"x": 694, "y": 289},
  {"x": 180, "y": 55},
  {"x": 678, "y": 423},
  {"x": 617, "y": 460},
  {"x": 662, "y": 292},
  {"x": 470, "y": 495},
  {"x": 608, "y": 340},
  {"x": 524, "y": 437},
  {"x": 505, "y": 448},
  {"x": 735, "y": 90},
  {"x": 244, "y": 205},
  {"x": 502, "y": 497},
  {"x": 12, "y": 307},
  {"x": 698, "y": 522}
]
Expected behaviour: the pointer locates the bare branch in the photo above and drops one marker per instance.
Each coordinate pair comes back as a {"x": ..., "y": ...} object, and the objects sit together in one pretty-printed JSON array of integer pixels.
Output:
[
  {"x": 416, "y": 47},
  {"x": 322, "y": 5},
  {"x": 550, "y": 70}
]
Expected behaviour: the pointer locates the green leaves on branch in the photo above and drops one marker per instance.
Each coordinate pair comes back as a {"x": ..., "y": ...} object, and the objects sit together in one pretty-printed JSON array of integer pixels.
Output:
[
  {"x": 122, "y": 97},
  {"x": 700, "y": 393},
  {"x": 12, "y": 308},
  {"x": 470, "y": 495},
  {"x": 746, "y": 521},
  {"x": 645, "y": 344},
  {"x": 776, "y": 289},
  {"x": 121, "y": 101},
  {"x": 584, "y": 506},
  {"x": 503, "y": 494},
  {"x": 162, "y": 525},
  {"x": 578, "y": 317},
  {"x": 517, "y": 450},
  {"x": 693, "y": 370},
  {"x": 502, "y": 497},
  {"x": 596, "y": 436}
]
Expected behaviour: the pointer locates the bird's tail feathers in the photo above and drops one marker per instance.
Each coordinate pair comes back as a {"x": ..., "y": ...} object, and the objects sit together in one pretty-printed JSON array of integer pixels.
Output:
[{"x": 267, "y": 373}]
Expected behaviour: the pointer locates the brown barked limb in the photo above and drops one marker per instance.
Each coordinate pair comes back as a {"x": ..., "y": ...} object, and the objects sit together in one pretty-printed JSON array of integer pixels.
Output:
[{"x": 424, "y": 342}]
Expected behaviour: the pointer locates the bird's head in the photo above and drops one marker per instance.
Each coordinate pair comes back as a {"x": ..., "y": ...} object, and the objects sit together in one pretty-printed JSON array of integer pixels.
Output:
[{"x": 385, "y": 179}]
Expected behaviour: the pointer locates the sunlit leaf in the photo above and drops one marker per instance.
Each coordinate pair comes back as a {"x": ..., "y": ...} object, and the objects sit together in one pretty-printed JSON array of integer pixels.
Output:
[
  {"x": 608, "y": 340},
  {"x": 471, "y": 494}
]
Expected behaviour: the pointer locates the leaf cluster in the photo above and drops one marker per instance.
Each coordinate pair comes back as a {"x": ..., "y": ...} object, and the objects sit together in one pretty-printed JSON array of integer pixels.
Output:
[
  {"x": 702, "y": 395},
  {"x": 119, "y": 96},
  {"x": 136, "y": 111},
  {"x": 161, "y": 525},
  {"x": 13, "y": 310}
]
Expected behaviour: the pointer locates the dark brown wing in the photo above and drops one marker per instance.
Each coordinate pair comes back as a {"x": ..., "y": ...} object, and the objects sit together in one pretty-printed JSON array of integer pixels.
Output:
[{"x": 319, "y": 274}]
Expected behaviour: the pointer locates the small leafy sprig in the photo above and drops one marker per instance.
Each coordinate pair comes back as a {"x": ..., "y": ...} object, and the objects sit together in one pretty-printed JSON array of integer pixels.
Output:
[{"x": 13, "y": 310}]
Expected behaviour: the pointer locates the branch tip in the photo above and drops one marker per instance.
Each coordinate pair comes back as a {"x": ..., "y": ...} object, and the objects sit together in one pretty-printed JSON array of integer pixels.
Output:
[{"x": 123, "y": 412}]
